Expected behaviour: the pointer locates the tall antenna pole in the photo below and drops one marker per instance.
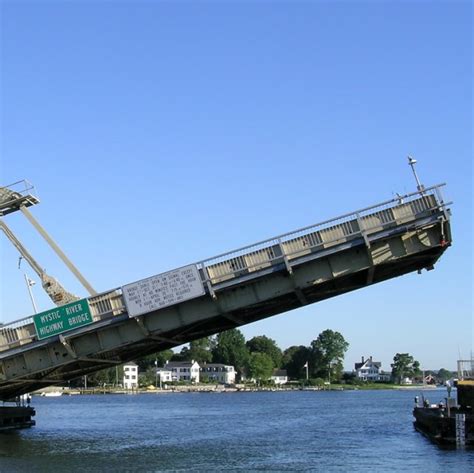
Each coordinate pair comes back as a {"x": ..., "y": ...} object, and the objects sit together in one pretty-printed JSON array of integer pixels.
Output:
[{"x": 412, "y": 163}]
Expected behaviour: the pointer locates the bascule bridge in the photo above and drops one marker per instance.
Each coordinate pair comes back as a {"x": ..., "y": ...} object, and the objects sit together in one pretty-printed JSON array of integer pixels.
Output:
[{"x": 82, "y": 335}]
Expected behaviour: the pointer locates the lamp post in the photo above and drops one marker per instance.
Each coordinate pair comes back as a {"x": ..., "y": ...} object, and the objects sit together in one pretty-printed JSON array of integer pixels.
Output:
[{"x": 29, "y": 284}]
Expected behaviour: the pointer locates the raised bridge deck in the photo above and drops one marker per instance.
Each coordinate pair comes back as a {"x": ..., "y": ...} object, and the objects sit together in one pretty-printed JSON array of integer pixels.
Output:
[{"x": 273, "y": 276}]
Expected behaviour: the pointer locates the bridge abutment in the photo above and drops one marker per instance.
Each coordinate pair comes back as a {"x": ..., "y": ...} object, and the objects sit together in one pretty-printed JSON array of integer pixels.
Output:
[{"x": 16, "y": 417}]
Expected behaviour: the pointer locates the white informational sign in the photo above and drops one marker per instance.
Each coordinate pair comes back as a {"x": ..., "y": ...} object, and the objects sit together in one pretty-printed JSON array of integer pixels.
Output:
[
  {"x": 460, "y": 430},
  {"x": 162, "y": 290}
]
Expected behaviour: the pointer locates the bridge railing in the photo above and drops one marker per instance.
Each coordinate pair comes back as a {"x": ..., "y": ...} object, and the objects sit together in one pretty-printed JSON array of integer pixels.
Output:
[
  {"x": 16, "y": 194},
  {"x": 285, "y": 248},
  {"x": 20, "y": 332},
  {"x": 466, "y": 369},
  {"x": 20, "y": 188},
  {"x": 106, "y": 305},
  {"x": 323, "y": 235}
]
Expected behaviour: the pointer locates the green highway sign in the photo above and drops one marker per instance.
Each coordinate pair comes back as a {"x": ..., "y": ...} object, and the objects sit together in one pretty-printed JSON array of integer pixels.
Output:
[{"x": 62, "y": 319}]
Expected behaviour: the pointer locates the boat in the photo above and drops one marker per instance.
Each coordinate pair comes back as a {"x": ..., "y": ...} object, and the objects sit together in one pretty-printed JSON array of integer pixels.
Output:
[
  {"x": 450, "y": 422},
  {"x": 52, "y": 394}
]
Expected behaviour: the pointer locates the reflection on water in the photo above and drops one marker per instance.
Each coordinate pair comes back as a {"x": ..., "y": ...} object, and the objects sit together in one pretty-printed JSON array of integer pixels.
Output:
[{"x": 287, "y": 431}]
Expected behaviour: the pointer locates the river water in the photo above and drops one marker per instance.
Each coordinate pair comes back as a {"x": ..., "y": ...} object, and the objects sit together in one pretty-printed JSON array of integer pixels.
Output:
[{"x": 346, "y": 431}]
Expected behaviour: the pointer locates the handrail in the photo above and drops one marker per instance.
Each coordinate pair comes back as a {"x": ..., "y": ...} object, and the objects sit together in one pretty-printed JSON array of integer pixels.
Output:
[
  {"x": 97, "y": 315},
  {"x": 16, "y": 195},
  {"x": 267, "y": 244},
  {"x": 325, "y": 222},
  {"x": 25, "y": 187}
]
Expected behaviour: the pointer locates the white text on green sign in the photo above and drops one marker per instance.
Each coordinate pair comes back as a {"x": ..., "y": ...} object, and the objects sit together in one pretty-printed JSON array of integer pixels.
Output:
[{"x": 62, "y": 319}]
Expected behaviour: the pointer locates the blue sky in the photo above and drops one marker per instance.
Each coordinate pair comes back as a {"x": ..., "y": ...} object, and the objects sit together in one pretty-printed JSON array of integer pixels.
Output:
[{"x": 158, "y": 134}]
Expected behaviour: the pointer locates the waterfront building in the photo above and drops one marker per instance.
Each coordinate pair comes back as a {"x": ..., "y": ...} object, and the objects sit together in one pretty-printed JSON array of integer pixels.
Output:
[
  {"x": 130, "y": 375},
  {"x": 279, "y": 376},
  {"x": 369, "y": 370},
  {"x": 429, "y": 379},
  {"x": 218, "y": 372},
  {"x": 164, "y": 375},
  {"x": 183, "y": 370}
]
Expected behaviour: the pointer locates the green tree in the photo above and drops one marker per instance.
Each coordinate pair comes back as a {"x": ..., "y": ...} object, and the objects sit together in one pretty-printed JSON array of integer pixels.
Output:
[
  {"x": 263, "y": 344},
  {"x": 147, "y": 378},
  {"x": 443, "y": 375},
  {"x": 163, "y": 357},
  {"x": 260, "y": 366},
  {"x": 294, "y": 359},
  {"x": 108, "y": 376},
  {"x": 230, "y": 349},
  {"x": 149, "y": 361},
  {"x": 200, "y": 350},
  {"x": 328, "y": 355},
  {"x": 349, "y": 378},
  {"x": 180, "y": 356},
  {"x": 404, "y": 366}
]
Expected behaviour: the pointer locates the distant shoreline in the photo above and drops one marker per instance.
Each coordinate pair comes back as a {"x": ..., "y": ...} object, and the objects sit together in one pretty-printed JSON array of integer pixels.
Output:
[{"x": 218, "y": 389}]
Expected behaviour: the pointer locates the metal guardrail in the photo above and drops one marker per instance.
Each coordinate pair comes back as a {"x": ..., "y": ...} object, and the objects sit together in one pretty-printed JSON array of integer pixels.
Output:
[
  {"x": 17, "y": 190},
  {"x": 264, "y": 254},
  {"x": 21, "y": 188},
  {"x": 20, "y": 332},
  {"x": 466, "y": 369},
  {"x": 322, "y": 235},
  {"x": 16, "y": 194}
]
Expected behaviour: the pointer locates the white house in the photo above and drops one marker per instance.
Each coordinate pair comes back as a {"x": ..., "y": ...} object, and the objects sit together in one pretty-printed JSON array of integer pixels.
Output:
[
  {"x": 183, "y": 370},
  {"x": 279, "y": 376},
  {"x": 164, "y": 375},
  {"x": 369, "y": 370},
  {"x": 130, "y": 376},
  {"x": 218, "y": 372}
]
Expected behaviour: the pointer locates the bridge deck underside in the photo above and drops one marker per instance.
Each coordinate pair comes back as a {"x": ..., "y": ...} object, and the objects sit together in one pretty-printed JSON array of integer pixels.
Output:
[{"x": 124, "y": 338}]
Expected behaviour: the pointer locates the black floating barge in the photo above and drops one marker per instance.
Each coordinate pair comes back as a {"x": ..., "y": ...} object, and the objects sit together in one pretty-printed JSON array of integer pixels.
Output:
[
  {"x": 19, "y": 417},
  {"x": 449, "y": 423}
]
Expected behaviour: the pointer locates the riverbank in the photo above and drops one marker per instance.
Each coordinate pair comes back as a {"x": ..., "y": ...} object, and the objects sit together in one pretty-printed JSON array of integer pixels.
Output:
[{"x": 219, "y": 389}]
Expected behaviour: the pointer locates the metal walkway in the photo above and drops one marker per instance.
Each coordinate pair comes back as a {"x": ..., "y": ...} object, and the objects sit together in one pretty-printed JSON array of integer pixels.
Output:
[{"x": 269, "y": 277}]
